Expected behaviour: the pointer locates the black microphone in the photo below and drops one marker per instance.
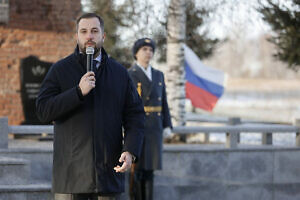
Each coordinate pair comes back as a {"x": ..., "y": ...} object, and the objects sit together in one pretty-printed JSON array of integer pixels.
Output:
[{"x": 89, "y": 61}]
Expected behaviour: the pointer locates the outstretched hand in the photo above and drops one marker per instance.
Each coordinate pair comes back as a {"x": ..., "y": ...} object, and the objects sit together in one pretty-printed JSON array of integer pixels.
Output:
[{"x": 126, "y": 159}]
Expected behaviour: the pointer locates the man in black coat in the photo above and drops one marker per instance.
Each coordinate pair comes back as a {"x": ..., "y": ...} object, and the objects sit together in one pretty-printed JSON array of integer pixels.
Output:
[
  {"x": 151, "y": 86},
  {"x": 89, "y": 111}
]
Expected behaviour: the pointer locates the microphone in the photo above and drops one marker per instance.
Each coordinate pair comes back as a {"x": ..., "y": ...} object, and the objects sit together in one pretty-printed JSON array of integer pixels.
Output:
[{"x": 89, "y": 61}]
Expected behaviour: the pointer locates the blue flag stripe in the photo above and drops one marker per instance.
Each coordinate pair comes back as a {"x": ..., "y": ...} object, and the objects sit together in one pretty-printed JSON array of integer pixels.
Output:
[{"x": 201, "y": 82}]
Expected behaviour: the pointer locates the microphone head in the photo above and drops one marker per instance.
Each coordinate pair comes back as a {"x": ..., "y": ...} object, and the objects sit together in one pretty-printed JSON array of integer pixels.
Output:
[{"x": 89, "y": 50}]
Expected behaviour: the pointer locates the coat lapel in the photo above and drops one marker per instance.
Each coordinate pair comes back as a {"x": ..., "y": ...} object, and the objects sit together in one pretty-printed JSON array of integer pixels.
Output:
[
  {"x": 155, "y": 78},
  {"x": 146, "y": 83}
]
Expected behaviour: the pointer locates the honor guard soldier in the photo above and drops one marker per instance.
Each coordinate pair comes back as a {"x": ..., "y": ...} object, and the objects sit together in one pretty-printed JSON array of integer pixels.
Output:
[{"x": 151, "y": 87}]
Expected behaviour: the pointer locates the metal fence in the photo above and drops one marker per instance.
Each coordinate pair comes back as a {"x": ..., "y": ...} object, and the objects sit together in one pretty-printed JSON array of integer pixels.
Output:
[{"x": 232, "y": 131}]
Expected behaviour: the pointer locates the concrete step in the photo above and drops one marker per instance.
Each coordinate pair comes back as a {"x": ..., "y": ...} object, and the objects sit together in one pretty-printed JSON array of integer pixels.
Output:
[
  {"x": 40, "y": 162},
  {"x": 26, "y": 192},
  {"x": 14, "y": 171}
]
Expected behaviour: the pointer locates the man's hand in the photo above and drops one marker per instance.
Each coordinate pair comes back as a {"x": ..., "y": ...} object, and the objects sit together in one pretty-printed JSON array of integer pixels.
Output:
[
  {"x": 87, "y": 82},
  {"x": 126, "y": 158},
  {"x": 167, "y": 133}
]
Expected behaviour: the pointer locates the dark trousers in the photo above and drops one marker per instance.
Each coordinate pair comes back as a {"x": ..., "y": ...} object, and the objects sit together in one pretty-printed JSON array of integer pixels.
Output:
[
  {"x": 84, "y": 197},
  {"x": 142, "y": 186}
]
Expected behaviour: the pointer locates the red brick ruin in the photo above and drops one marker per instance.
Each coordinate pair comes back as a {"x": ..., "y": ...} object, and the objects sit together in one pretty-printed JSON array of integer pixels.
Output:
[{"x": 40, "y": 28}]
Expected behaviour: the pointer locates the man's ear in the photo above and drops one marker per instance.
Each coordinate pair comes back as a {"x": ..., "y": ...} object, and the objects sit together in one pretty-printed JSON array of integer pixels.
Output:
[{"x": 103, "y": 37}]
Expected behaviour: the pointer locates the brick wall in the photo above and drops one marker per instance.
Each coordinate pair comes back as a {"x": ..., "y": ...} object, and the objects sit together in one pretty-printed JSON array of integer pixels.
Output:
[
  {"x": 49, "y": 40},
  {"x": 49, "y": 15}
]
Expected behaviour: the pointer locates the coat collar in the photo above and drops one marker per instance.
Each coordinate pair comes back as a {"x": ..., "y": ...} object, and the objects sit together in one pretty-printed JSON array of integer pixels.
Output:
[{"x": 81, "y": 58}]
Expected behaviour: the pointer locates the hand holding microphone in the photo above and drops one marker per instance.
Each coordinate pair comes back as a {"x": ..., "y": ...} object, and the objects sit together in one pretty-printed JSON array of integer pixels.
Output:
[
  {"x": 88, "y": 80},
  {"x": 87, "y": 83}
]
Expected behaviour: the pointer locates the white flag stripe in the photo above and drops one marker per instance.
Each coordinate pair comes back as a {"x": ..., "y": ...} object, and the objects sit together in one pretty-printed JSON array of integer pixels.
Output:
[{"x": 211, "y": 74}]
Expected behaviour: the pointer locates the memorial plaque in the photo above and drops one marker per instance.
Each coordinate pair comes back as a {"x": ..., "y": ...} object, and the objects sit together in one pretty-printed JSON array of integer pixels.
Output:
[{"x": 32, "y": 73}]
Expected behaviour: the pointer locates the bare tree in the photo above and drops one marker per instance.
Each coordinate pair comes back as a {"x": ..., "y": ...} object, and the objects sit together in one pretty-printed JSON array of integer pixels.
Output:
[{"x": 175, "y": 60}]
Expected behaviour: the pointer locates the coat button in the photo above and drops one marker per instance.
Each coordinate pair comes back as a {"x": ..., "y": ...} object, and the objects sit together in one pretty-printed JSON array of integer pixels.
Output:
[
  {"x": 147, "y": 98},
  {"x": 159, "y": 98},
  {"x": 160, "y": 83},
  {"x": 147, "y": 113},
  {"x": 158, "y": 114}
]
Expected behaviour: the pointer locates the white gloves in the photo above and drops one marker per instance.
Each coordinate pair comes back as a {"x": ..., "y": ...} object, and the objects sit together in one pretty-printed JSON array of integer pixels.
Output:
[{"x": 167, "y": 133}]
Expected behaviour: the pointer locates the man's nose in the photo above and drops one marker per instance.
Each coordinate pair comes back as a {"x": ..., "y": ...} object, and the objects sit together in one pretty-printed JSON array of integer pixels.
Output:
[{"x": 90, "y": 36}]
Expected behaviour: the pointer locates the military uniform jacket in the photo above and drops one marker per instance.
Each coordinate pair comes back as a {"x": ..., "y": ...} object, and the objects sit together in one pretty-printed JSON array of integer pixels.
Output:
[
  {"x": 153, "y": 94},
  {"x": 88, "y": 138}
]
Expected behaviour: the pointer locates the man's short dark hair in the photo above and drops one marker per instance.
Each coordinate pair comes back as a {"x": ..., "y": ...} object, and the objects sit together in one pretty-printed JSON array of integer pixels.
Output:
[{"x": 90, "y": 15}]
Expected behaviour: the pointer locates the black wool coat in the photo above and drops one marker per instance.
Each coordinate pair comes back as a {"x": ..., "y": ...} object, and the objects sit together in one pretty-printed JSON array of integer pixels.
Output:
[
  {"x": 88, "y": 138},
  {"x": 153, "y": 95}
]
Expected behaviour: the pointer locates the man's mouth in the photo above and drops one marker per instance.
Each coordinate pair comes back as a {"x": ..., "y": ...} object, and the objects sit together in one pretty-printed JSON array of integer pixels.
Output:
[{"x": 90, "y": 43}]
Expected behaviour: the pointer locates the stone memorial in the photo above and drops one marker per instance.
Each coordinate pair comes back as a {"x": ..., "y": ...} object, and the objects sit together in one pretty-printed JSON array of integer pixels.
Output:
[{"x": 32, "y": 73}]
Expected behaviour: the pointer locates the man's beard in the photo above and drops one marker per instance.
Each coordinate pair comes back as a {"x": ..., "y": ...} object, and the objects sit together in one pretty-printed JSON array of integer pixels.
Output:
[{"x": 96, "y": 47}]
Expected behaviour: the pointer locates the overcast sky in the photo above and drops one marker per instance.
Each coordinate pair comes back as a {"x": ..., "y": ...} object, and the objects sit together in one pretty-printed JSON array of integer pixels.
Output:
[{"x": 233, "y": 18}]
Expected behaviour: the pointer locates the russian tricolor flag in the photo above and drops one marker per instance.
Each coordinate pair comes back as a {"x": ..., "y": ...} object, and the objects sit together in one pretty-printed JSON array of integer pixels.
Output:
[{"x": 204, "y": 85}]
